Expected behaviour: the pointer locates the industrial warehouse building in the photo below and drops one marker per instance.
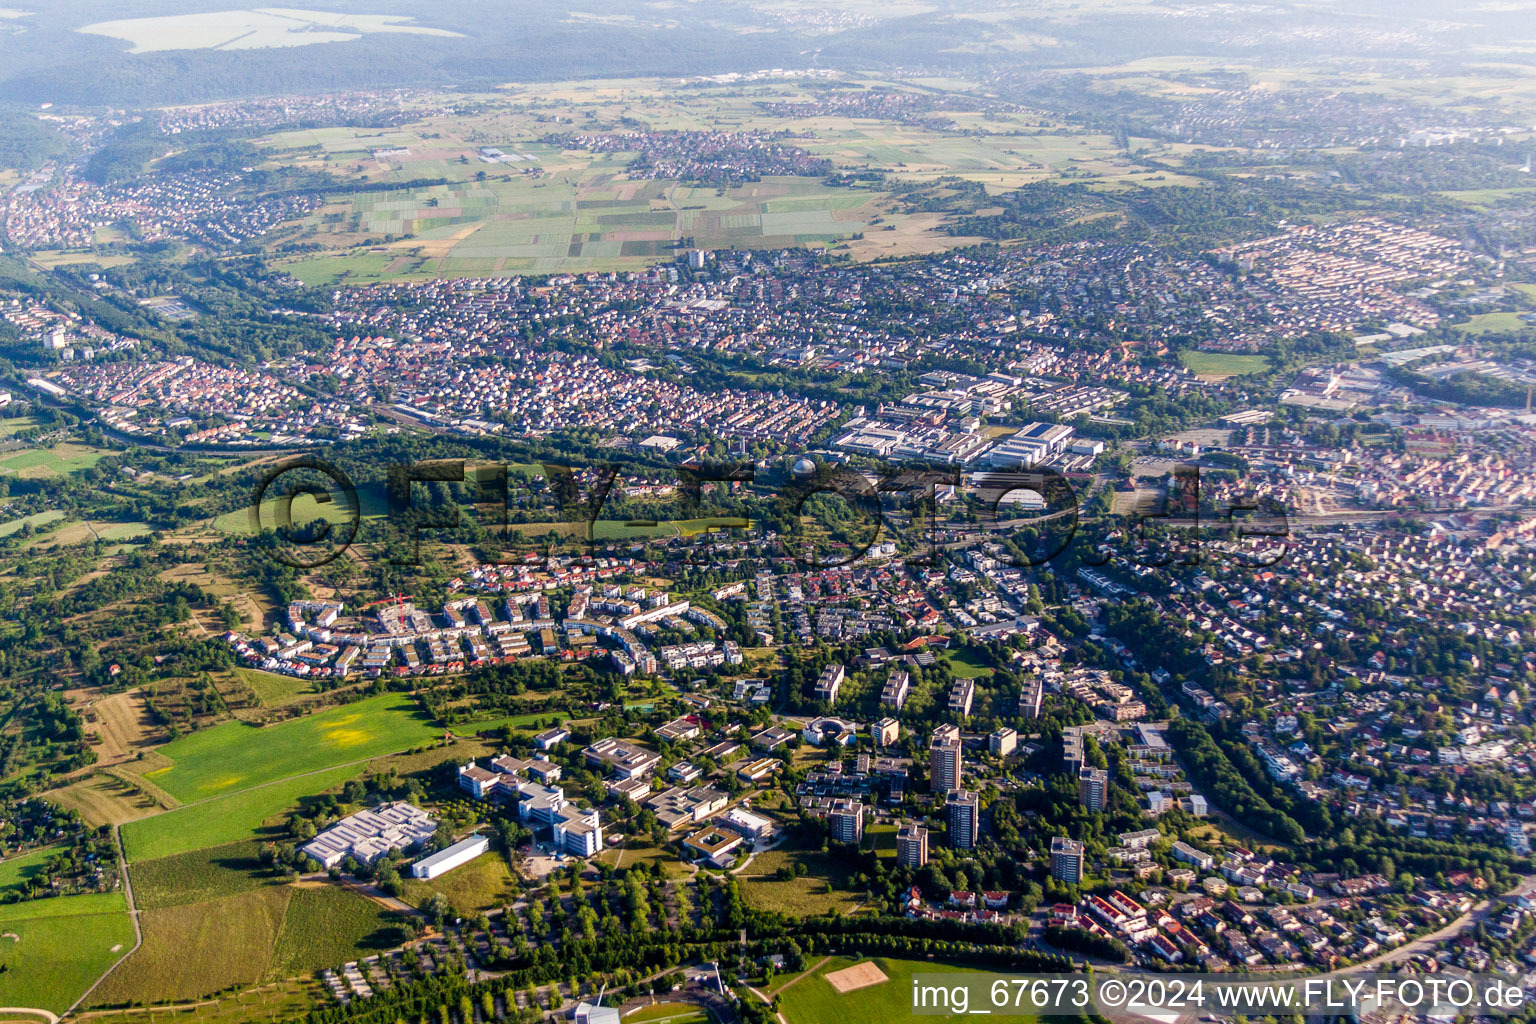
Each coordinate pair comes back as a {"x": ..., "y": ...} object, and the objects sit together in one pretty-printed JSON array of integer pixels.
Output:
[{"x": 461, "y": 852}]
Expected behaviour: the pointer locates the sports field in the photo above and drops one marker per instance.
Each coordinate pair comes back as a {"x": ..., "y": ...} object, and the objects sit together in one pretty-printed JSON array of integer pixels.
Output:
[
  {"x": 234, "y": 756},
  {"x": 1222, "y": 364},
  {"x": 813, "y": 999},
  {"x": 1495, "y": 323},
  {"x": 51, "y": 950}
]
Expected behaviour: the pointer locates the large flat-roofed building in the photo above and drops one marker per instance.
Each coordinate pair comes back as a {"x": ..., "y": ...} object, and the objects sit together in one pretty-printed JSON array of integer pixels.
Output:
[
  {"x": 367, "y": 835},
  {"x": 830, "y": 732},
  {"x": 1031, "y": 698},
  {"x": 626, "y": 760},
  {"x": 678, "y": 808},
  {"x": 754, "y": 827},
  {"x": 577, "y": 831},
  {"x": 443, "y": 861},
  {"x": 1035, "y": 443},
  {"x": 1003, "y": 742},
  {"x": 714, "y": 845},
  {"x": 478, "y": 782}
]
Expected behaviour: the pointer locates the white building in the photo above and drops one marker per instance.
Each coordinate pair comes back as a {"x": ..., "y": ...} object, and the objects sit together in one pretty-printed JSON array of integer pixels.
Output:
[
  {"x": 461, "y": 852},
  {"x": 368, "y": 835}
]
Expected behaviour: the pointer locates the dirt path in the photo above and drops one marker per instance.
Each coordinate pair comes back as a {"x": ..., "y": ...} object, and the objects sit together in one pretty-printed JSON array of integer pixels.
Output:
[
  {"x": 133, "y": 916},
  {"x": 803, "y": 974},
  {"x": 769, "y": 1001}
]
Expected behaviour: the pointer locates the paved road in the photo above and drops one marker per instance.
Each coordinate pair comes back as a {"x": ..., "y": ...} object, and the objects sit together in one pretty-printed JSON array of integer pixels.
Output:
[{"x": 51, "y": 1018}]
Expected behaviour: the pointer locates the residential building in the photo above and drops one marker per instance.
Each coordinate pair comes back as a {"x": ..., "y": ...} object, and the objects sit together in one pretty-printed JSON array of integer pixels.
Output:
[
  {"x": 829, "y": 683},
  {"x": 846, "y": 819},
  {"x": 945, "y": 761},
  {"x": 964, "y": 809},
  {"x": 1003, "y": 742},
  {"x": 1066, "y": 860},
  {"x": 912, "y": 846},
  {"x": 1092, "y": 787}
]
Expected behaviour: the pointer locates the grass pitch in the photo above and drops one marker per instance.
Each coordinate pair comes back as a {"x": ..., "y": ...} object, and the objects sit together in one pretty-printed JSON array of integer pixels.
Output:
[{"x": 815, "y": 997}]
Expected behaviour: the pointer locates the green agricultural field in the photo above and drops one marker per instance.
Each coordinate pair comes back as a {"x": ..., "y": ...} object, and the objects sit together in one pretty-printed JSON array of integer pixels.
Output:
[
  {"x": 226, "y": 819},
  {"x": 372, "y": 504},
  {"x": 15, "y": 423},
  {"x": 234, "y": 756},
  {"x": 54, "y": 461},
  {"x": 811, "y": 999},
  {"x": 327, "y": 926},
  {"x": 81, "y": 532},
  {"x": 199, "y": 875},
  {"x": 1223, "y": 364},
  {"x": 52, "y": 950},
  {"x": 197, "y": 949}
]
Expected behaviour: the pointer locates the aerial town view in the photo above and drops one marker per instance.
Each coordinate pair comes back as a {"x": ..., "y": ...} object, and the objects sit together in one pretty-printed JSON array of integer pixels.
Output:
[{"x": 802, "y": 512}]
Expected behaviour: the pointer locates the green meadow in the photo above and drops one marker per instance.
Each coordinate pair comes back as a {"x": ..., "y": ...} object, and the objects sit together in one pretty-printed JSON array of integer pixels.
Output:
[
  {"x": 56, "y": 460},
  {"x": 271, "y": 933},
  {"x": 16, "y": 870},
  {"x": 1495, "y": 323},
  {"x": 227, "y": 819},
  {"x": 233, "y": 756},
  {"x": 52, "y": 950},
  {"x": 966, "y": 665}
]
